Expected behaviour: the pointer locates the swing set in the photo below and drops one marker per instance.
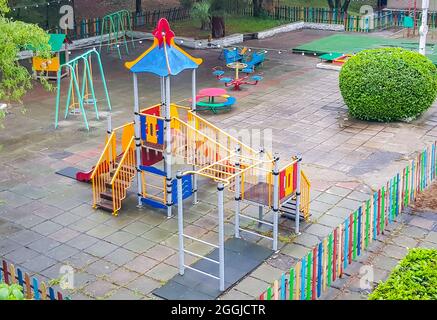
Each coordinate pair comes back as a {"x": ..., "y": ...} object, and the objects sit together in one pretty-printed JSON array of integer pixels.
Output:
[
  {"x": 116, "y": 25},
  {"x": 81, "y": 88}
]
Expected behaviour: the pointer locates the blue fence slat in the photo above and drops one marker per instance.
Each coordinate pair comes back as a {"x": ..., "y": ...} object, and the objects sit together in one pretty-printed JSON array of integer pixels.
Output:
[{"x": 35, "y": 289}]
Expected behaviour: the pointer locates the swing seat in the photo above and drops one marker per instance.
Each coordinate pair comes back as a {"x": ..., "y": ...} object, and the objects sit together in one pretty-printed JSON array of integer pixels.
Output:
[
  {"x": 89, "y": 101},
  {"x": 257, "y": 78},
  {"x": 218, "y": 73},
  {"x": 225, "y": 80}
]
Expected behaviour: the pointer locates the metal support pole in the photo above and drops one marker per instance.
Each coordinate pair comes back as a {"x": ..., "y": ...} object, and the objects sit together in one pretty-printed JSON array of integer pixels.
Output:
[
  {"x": 297, "y": 221},
  {"x": 162, "y": 109},
  {"x": 260, "y": 208},
  {"x": 168, "y": 158},
  {"x": 221, "y": 244},
  {"x": 109, "y": 131},
  {"x": 193, "y": 108},
  {"x": 180, "y": 225},
  {"x": 275, "y": 201},
  {"x": 238, "y": 180},
  {"x": 137, "y": 124},
  {"x": 423, "y": 31}
]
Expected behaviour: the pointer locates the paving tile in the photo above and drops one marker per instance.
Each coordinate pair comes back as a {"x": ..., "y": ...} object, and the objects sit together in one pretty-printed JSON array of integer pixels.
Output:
[
  {"x": 46, "y": 228},
  {"x": 252, "y": 286},
  {"x": 80, "y": 260},
  {"x": 7, "y": 245},
  {"x": 330, "y": 221},
  {"x": 157, "y": 235},
  {"x": 319, "y": 230},
  {"x": 101, "y": 267},
  {"x": 30, "y": 221},
  {"x": 141, "y": 264},
  {"x": 144, "y": 285},
  {"x": 64, "y": 235},
  {"x": 66, "y": 219},
  {"x": 339, "y": 212},
  {"x": 83, "y": 225},
  {"x": 101, "y": 248},
  {"x": 101, "y": 231},
  {"x": 295, "y": 250},
  {"x": 99, "y": 288},
  {"x": 43, "y": 245},
  {"x": 120, "y": 238},
  {"x": 329, "y": 198},
  {"x": 48, "y": 212},
  {"x": 349, "y": 204},
  {"x": 21, "y": 255},
  {"x": 422, "y": 223},
  {"x": 62, "y": 252},
  {"x": 39, "y": 263},
  {"x": 395, "y": 251},
  {"x": 320, "y": 206},
  {"x": 404, "y": 241},
  {"x": 122, "y": 276},
  {"x": 13, "y": 199},
  {"x": 139, "y": 245},
  {"x": 358, "y": 196},
  {"x": 162, "y": 272},
  {"x": 307, "y": 240},
  {"x": 385, "y": 263},
  {"x": 82, "y": 241},
  {"x": 125, "y": 294},
  {"x": 137, "y": 228},
  {"x": 159, "y": 252},
  {"x": 234, "y": 294},
  {"x": 432, "y": 237},
  {"x": 267, "y": 273},
  {"x": 342, "y": 192},
  {"x": 25, "y": 237},
  {"x": 120, "y": 256}
]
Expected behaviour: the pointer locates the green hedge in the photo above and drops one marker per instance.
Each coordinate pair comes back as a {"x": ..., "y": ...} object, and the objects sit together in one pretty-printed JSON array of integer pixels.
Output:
[
  {"x": 388, "y": 84},
  {"x": 415, "y": 278}
]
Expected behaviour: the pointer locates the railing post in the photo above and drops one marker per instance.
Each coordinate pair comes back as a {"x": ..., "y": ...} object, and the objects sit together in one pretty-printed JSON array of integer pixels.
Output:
[
  {"x": 275, "y": 201},
  {"x": 260, "y": 208},
  {"x": 220, "y": 205},
  {"x": 193, "y": 109},
  {"x": 137, "y": 124},
  {"x": 298, "y": 190},
  {"x": 180, "y": 224},
  {"x": 237, "y": 192}
]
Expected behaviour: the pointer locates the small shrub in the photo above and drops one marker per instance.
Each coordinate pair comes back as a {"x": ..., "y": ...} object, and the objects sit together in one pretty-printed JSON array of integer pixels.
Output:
[
  {"x": 388, "y": 84},
  {"x": 415, "y": 278},
  {"x": 12, "y": 292}
]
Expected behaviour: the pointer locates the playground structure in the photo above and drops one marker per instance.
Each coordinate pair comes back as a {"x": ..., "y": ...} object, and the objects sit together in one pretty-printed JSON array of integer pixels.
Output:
[
  {"x": 116, "y": 25},
  {"x": 237, "y": 81},
  {"x": 167, "y": 130},
  {"x": 81, "y": 88},
  {"x": 48, "y": 68},
  {"x": 218, "y": 100}
]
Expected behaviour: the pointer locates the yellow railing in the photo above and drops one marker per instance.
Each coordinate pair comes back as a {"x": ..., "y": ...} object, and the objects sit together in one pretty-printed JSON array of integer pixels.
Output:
[
  {"x": 116, "y": 144},
  {"x": 123, "y": 176},
  {"x": 305, "y": 187},
  {"x": 221, "y": 136},
  {"x": 154, "y": 187}
]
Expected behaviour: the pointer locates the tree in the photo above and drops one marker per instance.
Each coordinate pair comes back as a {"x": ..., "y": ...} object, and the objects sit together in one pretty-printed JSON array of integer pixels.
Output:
[
  {"x": 200, "y": 11},
  {"x": 340, "y": 5},
  {"x": 138, "y": 7},
  {"x": 217, "y": 11},
  {"x": 15, "y": 80}
]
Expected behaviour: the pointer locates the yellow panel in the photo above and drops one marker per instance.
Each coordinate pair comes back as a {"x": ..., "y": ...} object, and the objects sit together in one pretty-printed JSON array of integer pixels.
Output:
[
  {"x": 151, "y": 123},
  {"x": 128, "y": 133},
  {"x": 174, "y": 114},
  {"x": 40, "y": 64},
  {"x": 289, "y": 180}
]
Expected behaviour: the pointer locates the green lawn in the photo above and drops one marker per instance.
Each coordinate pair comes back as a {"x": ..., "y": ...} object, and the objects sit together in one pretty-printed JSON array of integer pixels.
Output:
[
  {"x": 191, "y": 28},
  {"x": 354, "y": 6}
]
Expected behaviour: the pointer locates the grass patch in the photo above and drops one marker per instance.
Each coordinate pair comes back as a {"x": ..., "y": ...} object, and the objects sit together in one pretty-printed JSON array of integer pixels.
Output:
[
  {"x": 191, "y": 28},
  {"x": 415, "y": 278},
  {"x": 354, "y": 7}
]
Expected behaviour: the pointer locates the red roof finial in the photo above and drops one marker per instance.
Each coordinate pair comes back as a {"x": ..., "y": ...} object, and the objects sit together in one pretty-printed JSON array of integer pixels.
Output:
[{"x": 163, "y": 29}]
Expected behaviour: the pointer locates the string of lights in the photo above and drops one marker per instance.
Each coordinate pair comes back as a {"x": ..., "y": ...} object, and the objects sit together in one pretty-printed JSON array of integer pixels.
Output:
[{"x": 37, "y": 5}]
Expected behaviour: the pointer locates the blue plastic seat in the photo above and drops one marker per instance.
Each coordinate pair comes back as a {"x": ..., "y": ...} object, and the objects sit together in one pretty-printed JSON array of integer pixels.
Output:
[
  {"x": 230, "y": 101},
  {"x": 248, "y": 70},
  {"x": 257, "y": 78},
  {"x": 225, "y": 80},
  {"x": 218, "y": 73}
]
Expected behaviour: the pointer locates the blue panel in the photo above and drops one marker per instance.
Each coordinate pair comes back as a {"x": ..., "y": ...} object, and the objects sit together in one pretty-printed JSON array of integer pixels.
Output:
[
  {"x": 153, "y": 170},
  {"x": 143, "y": 127},
  {"x": 160, "y": 131},
  {"x": 187, "y": 188},
  {"x": 153, "y": 203}
]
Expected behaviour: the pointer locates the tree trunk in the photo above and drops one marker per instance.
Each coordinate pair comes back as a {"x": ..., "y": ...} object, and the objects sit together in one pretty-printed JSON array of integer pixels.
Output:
[
  {"x": 138, "y": 7},
  {"x": 257, "y": 7},
  {"x": 346, "y": 4},
  {"x": 331, "y": 5},
  {"x": 218, "y": 27}
]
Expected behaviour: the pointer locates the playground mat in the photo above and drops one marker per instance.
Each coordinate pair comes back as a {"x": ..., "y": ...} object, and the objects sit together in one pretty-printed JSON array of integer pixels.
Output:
[
  {"x": 241, "y": 258},
  {"x": 348, "y": 43}
]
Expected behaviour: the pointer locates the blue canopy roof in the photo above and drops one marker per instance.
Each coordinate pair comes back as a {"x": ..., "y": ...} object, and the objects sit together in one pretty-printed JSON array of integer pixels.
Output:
[{"x": 164, "y": 57}]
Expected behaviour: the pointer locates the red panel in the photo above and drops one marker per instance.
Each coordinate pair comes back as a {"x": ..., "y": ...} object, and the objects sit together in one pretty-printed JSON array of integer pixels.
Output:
[
  {"x": 282, "y": 184},
  {"x": 295, "y": 176},
  {"x": 155, "y": 111}
]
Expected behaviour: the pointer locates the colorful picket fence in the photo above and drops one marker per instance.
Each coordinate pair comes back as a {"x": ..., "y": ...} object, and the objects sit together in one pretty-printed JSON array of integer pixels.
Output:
[
  {"x": 326, "y": 262},
  {"x": 33, "y": 289},
  {"x": 86, "y": 28}
]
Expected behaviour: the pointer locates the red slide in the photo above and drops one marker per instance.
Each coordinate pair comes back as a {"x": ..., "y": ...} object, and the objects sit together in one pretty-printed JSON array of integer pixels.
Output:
[{"x": 84, "y": 176}]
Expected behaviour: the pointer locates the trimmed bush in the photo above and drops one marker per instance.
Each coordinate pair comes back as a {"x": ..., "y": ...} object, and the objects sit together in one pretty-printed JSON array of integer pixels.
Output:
[
  {"x": 415, "y": 278},
  {"x": 388, "y": 84}
]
